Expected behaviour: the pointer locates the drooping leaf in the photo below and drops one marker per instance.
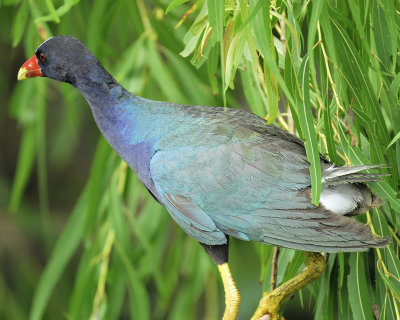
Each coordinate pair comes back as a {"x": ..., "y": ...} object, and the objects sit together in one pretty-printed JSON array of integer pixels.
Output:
[
  {"x": 309, "y": 134},
  {"x": 19, "y": 22},
  {"x": 174, "y": 4},
  {"x": 358, "y": 290}
]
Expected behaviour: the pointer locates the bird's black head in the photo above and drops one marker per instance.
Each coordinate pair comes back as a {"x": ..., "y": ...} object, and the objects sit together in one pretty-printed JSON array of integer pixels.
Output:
[{"x": 63, "y": 58}]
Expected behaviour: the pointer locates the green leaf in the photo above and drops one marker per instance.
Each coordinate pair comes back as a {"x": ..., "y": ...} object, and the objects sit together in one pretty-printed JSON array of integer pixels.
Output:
[
  {"x": 254, "y": 95},
  {"x": 394, "y": 140},
  {"x": 163, "y": 76},
  {"x": 394, "y": 87},
  {"x": 96, "y": 184},
  {"x": 56, "y": 14},
  {"x": 62, "y": 253},
  {"x": 392, "y": 283},
  {"x": 317, "y": 9},
  {"x": 382, "y": 33},
  {"x": 53, "y": 13},
  {"x": 216, "y": 18},
  {"x": 212, "y": 69},
  {"x": 174, "y": 4},
  {"x": 191, "y": 42},
  {"x": 340, "y": 256},
  {"x": 358, "y": 290},
  {"x": 309, "y": 135},
  {"x": 24, "y": 167},
  {"x": 264, "y": 42},
  {"x": 19, "y": 22},
  {"x": 234, "y": 55},
  {"x": 330, "y": 136}
]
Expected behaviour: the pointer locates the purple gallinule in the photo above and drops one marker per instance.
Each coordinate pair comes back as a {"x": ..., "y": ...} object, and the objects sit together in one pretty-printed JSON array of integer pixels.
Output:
[{"x": 221, "y": 172}]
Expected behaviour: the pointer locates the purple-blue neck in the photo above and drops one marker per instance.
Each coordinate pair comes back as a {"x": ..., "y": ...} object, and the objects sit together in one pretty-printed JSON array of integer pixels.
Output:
[{"x": 116, "y": 113}]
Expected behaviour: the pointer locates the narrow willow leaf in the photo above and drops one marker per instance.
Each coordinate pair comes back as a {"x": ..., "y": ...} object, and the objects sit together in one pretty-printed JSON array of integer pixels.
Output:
[
  {"x": 285, "y": 258},
  {"x": 36, "y": 12},
  {"x": 292, "y": 80},
  {"x": 355, "y": 73},
  {"x": 252, "y": 93},
  {"x": 59, "y": 12},
  {"x": 24, "y": 166},
  {"x": 192, "y": 36},
  {"x": 393, "y": 263},
  {"x": 392, "y": 284},
  {"x": 294, "y": 266},
  {"x": 323, "y": 304},
  {"x": 329, "y": 136},
  {"x": 207, "y": 41},
  {"x": 115, "y": 289},
  {"x": 89, "y": 270},
  {"x": 53, "y": 13},
  {"x": 390, "y": 17},
  {"x": 340, "y": 257},
  {"x": 97, "y": 184},
  {"x": 139, "y": 299},
  {"x": 385, "y": 191},
  {"x": 216, "y": 17},
  {"x": 131, "y": 57},
  {"x": 309, "y": 134},
  {"x": 100, "y": 298},
  {"x": 163, "y": 75},
  {"x": 228, "y": 36},
  {"x": 19, "y": 22},
  {"x": 394, "y": 87},
  {"x": 264, "y": 42},
  {"x": 190, "y": 83},
  {"x": 200, "y": 21},
  {"x": 358, "y": 290},
  {"x": 234, "y": 55},
  {"x": 174, "y": 4},
  {"x": 191, "y": 43},
  {"x": 62, "y": 253},
  {"x": 382, "y": 34},
  {"x": 265, "y": 254},
  {"x": 116, "y": 213},
  {"x": 41, "y": 155},
  {"x": 273, "y": 96},
  {"x": 317, "y": 9},
  {"x": 212, "y": 69},
  {"x": 355, "y": 11},
  {"x": 394, "y": 140}
]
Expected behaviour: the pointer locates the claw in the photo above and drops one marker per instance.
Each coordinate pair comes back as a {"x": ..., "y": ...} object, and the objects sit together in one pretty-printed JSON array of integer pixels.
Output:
[{"x": 270, "y": 303}]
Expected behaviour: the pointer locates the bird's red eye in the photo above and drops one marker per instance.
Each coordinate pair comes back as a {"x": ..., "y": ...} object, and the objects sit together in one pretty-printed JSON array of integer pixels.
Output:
[{"x": 42, "y": 57}]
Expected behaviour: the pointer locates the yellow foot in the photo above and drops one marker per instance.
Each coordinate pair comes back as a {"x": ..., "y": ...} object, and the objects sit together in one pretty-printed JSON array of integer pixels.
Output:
[
  {"x": 232, "y": 296},
  {"x": 270, "y": 303}
]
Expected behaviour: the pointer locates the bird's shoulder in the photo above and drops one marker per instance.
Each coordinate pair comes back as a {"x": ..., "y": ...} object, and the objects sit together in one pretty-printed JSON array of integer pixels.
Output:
[{"x": 208, "y": 126}]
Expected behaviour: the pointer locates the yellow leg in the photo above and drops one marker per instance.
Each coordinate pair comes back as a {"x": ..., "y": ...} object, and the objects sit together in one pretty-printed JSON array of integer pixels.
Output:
[
  {"x": 232, "y": 296},
  {"x": 271, "y": 301}
]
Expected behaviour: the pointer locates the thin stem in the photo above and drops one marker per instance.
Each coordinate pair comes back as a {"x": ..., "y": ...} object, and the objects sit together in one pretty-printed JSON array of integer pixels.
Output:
[{"x": 274, "y": 268}]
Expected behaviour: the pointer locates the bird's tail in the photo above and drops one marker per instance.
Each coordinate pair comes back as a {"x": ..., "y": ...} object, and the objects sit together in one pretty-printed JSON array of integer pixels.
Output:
[{"x": 342, "y": 175}]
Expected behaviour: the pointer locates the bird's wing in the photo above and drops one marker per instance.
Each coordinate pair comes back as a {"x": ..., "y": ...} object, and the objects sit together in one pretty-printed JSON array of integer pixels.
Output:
[
  {"x": 253, "y": 187},
  {"x": 193, "y": 219}
]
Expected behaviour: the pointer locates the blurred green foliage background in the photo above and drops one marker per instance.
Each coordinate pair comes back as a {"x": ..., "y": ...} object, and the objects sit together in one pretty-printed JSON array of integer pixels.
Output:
[{"x": 80, "y": 237}]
